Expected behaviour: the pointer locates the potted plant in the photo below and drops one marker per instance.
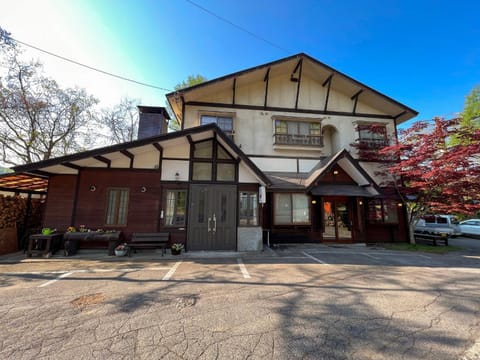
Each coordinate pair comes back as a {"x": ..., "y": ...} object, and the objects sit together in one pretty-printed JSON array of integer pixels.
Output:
[
  {"x": 176, "y": 248},
  {"x": 121, "y": 250},
  {"x": 48, "y": 231}
]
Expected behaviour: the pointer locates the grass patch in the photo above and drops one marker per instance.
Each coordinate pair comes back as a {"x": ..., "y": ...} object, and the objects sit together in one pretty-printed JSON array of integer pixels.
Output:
[{"x": 422, "y": 247}]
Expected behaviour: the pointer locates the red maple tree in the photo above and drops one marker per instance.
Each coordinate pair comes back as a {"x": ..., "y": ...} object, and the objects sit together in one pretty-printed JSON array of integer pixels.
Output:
[
  {"x": 434, "y": 167},
  {"x": 437, "y": 168}
]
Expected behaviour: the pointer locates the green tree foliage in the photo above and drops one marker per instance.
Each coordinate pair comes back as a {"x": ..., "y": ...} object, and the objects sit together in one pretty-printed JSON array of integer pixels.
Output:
[
  {"x": 471, "y": 111},
  {"x": 192, "y": 80},
  {"x": 38, "y": 118},
  {"x": 470, "y": 116}
]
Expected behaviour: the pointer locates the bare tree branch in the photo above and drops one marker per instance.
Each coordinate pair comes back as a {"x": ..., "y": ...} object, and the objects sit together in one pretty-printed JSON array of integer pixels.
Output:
[{"x": 38, "y": 119}]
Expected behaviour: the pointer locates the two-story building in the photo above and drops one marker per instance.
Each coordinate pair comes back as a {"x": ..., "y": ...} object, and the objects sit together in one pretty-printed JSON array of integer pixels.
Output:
[{"x": 266, "y": 151}]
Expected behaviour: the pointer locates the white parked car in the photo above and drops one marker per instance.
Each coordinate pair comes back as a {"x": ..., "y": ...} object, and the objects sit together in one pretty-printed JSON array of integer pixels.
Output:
[
  {"x": 438, "y": 224},
  {"x": 470, "y": 227}
]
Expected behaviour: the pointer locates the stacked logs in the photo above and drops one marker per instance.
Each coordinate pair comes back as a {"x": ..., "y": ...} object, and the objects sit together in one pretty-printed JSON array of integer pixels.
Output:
[{"x": 13, "y": 210}]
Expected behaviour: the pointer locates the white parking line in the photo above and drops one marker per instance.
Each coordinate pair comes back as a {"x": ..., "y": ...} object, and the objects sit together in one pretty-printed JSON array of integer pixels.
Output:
[
  {"x": 124, "y": 270},
  {"x": 172, "y": 271},
  {"x": 243, "y": 269},
  {"x": 370, "y": 256},
  {"x": 84, "y": 271},
  {"x": 56, "y": 279},
  {"x": 34, "y": 272},
  {"x": 314, "y": 258},
  {"x": 64, "y": 274},
  {"x": 377, "y": 253}
]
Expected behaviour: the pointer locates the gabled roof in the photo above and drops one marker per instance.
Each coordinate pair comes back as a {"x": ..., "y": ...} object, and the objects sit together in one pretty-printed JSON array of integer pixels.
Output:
[
  {"x": 318, "y": 70},
  {"x": 349, "y": 165},
  {"x": 310, "y": 182},
  {"x": 101, "y": 157}
]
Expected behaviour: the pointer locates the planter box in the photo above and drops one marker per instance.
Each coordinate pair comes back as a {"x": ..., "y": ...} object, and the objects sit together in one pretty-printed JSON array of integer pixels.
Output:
[
  {"x": 8, "y": 241},
  {"x": 175, "y": 252},
  {"x": 121, "y": 252}
]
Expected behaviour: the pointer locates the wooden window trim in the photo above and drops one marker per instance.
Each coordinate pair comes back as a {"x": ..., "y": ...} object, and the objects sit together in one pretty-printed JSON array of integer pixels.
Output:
[
  {"x": 214, "y": 161},
  {"x": 281, "y": 136},
  {"x": 176, "y": 191},
  {"x": 292, "y": 223},
  {"x": 376, "y": 142},
  {"x": 117, "y": 207},
  {"x": 248, "y": 202},
  {"x": 383, "y": 204},
  {"x": 220, "y": 115}
]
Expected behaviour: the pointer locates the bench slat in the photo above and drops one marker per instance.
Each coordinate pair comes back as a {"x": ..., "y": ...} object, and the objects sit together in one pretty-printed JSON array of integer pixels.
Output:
[
  {"x": 434, "y": 239},
  {"x": 149, "y": 241}
]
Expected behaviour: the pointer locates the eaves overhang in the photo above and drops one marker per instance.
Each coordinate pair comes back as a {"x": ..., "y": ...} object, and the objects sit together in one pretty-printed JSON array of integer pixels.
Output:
[
  {"x": 398, "y": 111},
  {"x": 102, "y": 157}
]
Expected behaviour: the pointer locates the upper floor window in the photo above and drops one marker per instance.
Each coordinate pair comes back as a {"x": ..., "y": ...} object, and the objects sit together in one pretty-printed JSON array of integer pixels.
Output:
[
  {"x": 373, "y": 136},
  {"x": 298, "y": 133},
  {"x": 225, "y": 123},
  {"x": 117, "y": 207},
  {"x": 211, "y": 162}
]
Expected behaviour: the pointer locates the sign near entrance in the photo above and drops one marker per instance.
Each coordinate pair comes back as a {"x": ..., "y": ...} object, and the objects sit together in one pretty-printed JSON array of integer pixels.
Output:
[{"x": 262, "y": 196}]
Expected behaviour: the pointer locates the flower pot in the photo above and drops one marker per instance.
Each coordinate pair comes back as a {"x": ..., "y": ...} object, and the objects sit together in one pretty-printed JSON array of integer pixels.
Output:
[
  {"x": 176, "y": 252},
  {"x": 120, "y": 252}
]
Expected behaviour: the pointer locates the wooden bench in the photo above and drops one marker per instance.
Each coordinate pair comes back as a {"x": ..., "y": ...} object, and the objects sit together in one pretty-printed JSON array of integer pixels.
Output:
[
  {"x": 149, "y": 241},
  {"x": 434, "y": 239}
]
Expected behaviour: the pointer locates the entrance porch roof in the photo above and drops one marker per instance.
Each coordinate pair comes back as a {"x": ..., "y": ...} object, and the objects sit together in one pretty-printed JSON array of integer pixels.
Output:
[
  {"x": 312, "y": 182},
  {"x": 340, "y": 190}
]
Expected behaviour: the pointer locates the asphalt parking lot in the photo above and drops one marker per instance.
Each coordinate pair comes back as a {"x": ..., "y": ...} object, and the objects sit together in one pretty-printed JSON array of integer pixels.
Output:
[{"x": 309, "y": 302}]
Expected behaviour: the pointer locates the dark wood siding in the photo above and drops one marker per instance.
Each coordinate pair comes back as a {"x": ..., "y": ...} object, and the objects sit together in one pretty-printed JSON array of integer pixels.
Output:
[
  {"x": 143, "y": 207},
  {"x": 59, "y": 206},
  {"x": 341, "y": 177}
]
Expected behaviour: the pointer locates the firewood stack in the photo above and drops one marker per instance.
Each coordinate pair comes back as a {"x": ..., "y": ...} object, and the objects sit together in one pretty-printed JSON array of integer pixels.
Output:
[{"x": 13, "y": 210}]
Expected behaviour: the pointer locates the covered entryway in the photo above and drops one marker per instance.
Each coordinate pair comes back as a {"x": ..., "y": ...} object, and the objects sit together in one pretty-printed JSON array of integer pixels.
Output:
[
  {"x": 212, "y": 217},
  {"x": 337, "y": 219}
]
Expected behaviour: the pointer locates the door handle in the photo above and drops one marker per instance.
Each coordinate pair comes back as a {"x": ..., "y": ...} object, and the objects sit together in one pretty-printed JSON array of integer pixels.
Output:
[
  {"x": 214, "y": 223},
  {"x": 208, "y": 224}
]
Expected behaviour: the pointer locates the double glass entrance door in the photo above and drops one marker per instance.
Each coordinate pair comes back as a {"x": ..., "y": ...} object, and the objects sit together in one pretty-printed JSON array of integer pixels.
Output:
[{"x": 336, "y": 220}]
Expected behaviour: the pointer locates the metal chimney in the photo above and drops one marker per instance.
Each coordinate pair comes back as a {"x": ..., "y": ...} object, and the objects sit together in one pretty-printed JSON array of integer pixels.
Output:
[{"x": 153, "y": 121}]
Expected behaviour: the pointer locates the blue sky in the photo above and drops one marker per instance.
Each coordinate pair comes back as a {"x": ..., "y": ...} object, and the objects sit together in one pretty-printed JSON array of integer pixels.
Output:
[{"x": 425, "y": 54}]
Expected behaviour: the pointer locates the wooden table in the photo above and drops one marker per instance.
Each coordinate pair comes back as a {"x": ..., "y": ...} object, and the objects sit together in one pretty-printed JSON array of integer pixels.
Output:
[
  {"x": 108, "y": 240},
  {"x": 46, "y": 245}
]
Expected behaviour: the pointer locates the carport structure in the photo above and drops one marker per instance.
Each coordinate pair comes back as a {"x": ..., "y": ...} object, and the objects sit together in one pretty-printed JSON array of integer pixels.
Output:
[{"x": 32, "y": 187}]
